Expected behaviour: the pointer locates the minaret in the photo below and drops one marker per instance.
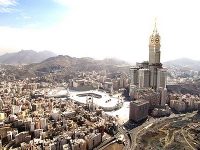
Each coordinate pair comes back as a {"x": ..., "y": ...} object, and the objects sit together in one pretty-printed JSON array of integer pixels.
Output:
[
  {"x": 154, "y": 47},
  {"x": 154, "y": 56}
]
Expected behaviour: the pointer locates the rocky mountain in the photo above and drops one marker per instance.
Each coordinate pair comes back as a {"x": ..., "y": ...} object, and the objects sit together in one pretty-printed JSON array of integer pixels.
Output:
[
  {"x": 72, "y": 64},
  {"x": 184, "y": 63},
  {"x": 114, "y": 61},
  {"x": 25, "y": 57},
  {"x": 64, "y": 67}
]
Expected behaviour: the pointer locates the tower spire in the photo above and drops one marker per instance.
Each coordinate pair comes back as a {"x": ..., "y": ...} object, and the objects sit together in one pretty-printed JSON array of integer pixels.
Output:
[{"x": 155, "y": 26}]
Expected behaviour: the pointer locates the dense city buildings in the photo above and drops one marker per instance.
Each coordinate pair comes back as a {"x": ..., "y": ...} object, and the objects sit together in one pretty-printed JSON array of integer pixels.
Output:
[
  {"x": 30, "y": 118},
  {"x": 88, "y": 110},
  {"x": 184, "y": 102}
]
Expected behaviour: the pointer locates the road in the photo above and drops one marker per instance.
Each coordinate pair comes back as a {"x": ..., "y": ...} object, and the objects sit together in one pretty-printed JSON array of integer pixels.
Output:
[
  {"x": 131, "y": 136},
  {"x": 112, "y": 140},
  {"x": 182, "y": 132},
  {"x": 136, "y": 131}
]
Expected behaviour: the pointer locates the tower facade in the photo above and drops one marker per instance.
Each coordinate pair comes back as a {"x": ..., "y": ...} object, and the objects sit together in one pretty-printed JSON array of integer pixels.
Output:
[{"x": 154, "y": 48}]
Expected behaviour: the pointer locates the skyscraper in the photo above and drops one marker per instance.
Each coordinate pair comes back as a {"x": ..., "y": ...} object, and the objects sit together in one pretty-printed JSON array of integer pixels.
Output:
[
  {"x": 154, "y": 57},
  {"x": 138, "y": 110},
  {"x": 150, "y": 74},
  {"x": 143, "y": 78},
  {"x": 154, "y": 48},
  {"x": 161, "y": 78},
  {"x": 134, "y": 75}
]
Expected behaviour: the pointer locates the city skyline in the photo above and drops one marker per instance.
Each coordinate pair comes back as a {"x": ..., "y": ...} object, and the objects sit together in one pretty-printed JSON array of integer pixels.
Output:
[{"x": 100, "y": 29}]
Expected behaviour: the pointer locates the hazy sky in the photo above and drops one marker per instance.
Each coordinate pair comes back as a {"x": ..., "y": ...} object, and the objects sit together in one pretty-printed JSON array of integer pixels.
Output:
[{"x": 101, "y": 28}]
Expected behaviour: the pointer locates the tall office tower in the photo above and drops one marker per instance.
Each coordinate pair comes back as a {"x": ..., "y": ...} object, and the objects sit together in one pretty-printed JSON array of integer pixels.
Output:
[
  {"x": 161, "y": 78},
  {"x": 163, "y": 99},
  {"x": 143, "y": 75},
  {"x": 134, "y": 75},
  {"x": 154, "y": 57},
  {"x": 138, "y": 110}
]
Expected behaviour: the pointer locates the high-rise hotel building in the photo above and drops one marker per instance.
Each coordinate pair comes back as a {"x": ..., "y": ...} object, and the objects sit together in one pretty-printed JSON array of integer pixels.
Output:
[{"x": 150, "y": 74}]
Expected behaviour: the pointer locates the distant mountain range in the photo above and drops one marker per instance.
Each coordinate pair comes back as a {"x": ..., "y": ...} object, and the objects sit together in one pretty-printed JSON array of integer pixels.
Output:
[
  {"x": 47, "y": 61},
  {"x": 60, "y": 66},
  {"x": 184, "y": 63},
  {"x": 73, "y": 64},
  {"x": 25, "y": 57}
]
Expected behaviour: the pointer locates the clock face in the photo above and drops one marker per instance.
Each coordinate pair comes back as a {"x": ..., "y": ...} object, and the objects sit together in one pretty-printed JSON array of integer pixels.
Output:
[
  {"x": 152, "y": 40},
  {"x": 157, "y": 40}
]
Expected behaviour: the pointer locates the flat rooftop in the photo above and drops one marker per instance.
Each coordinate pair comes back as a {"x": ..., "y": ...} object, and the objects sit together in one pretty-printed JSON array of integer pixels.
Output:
[{"x": 140, "y": 102}]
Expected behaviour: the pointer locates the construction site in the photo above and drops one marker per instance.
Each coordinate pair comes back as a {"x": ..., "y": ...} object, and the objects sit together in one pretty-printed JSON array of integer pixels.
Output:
[{"x": 182, "y": 132}]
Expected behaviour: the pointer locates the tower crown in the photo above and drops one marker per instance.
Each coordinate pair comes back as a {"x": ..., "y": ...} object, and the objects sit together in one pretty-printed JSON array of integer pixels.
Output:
[{"x": 154, "y": 39}]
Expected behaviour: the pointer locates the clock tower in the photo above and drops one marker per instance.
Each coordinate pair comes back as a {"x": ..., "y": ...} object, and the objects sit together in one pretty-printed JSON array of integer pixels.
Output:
[
  {"x": 154, "y": 57},
  {"x": 154, "y": 47}
]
